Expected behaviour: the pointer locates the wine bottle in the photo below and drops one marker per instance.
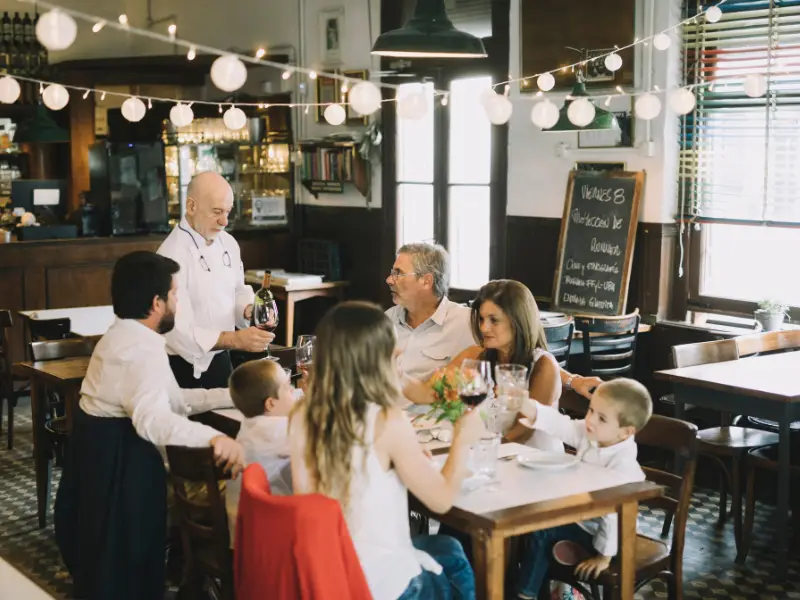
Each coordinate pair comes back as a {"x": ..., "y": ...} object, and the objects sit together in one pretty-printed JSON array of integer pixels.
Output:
[
  {"x": 263, "y": 298},
  {"x": 6, "y": 30},
  {"x": 27, "y": 29}
]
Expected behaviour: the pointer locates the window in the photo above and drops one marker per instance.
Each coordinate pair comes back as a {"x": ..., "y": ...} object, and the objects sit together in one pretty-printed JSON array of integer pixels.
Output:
[
  {"x": 444, "y": 178},
  {"x": 740, "y": 154}
]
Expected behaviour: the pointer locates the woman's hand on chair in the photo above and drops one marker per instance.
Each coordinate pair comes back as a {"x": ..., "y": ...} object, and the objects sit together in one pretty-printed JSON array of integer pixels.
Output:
[{"x": 585, "y": 385}]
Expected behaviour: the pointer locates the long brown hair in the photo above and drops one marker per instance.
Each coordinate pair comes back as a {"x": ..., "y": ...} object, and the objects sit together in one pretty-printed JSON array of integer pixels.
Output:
[
  {"x": 518, "y": 304},
  {"x": 352, "y": 368}
]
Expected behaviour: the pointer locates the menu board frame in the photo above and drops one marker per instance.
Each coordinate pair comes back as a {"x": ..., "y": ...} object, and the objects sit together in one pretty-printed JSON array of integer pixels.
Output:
[{"x": 638, "y": 177}]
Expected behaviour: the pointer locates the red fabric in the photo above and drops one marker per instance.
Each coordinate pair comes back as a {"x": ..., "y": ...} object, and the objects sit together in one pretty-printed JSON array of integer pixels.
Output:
[{"x": 293, "y": 547}]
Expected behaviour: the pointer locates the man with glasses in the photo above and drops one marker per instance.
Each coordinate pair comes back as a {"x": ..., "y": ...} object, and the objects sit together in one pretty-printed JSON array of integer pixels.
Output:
[{"x": 214, "y": 298}]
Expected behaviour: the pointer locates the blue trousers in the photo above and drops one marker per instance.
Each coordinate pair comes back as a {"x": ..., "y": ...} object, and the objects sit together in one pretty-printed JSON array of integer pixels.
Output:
[
  {"x": 538, "y": 556},
  {"x": 456, "y": 581}
]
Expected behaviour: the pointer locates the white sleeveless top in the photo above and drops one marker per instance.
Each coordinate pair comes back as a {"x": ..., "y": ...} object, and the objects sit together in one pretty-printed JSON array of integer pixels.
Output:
[
  {"x": 540, "y": 439},
  {"x": 377, "y": 518}
]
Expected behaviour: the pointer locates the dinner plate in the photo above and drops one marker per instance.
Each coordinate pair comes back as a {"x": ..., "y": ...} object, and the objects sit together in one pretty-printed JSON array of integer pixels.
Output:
[{"x": 546, "y": 461}]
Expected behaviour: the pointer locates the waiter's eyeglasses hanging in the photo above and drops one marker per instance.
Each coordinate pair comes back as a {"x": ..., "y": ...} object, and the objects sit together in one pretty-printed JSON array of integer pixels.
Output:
[{"x": 226, "y": 258}]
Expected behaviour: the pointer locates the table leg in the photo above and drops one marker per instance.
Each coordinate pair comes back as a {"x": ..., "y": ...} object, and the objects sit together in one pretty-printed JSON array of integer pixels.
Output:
[
  {"x": 72, "y": 398},
  {"x": 488, "y": 554},
  {"x": 782, "y": 518},
  {"x": 627, "y": 549},
  {"x": 289, "y": 321},
  {"x": 42, "y": 462}
]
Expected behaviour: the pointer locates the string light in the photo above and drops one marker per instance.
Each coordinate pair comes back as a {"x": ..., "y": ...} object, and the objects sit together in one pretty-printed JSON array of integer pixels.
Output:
[
  {"x": 86, "y": 94},
  {"x": 261, "y": 53},
  {"x": 149, "y": 103},
  {"x": 172, "y": 30},
  {"x": 445, "y": 100},
  {"x": 102, "y": 96},
  {"x": 286, "y": 74},
  {"x": 312, "y": 75},
  {"x": 123, "y": 19},
  {"x": 98, "y": 26},
  {"x": 192, "y": 53}
]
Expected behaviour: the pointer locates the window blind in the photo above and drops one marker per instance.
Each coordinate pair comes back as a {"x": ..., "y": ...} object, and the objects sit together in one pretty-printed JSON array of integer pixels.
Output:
[{"x": 740, "y": 156}]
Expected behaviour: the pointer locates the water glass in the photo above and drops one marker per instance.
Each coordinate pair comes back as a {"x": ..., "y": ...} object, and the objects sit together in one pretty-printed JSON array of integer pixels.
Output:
[
  {"x": 512, "y": 384},
  {"x": 484, "y": 455}
]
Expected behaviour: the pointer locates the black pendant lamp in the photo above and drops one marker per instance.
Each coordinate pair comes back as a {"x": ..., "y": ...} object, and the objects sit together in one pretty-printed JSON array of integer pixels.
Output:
[{"x": 429, "y": 34}]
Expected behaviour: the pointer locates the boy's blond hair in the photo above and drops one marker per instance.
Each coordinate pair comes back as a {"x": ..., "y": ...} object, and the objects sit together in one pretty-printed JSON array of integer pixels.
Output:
[
  {"x": 252, "y": 383},
  {"x": 631, "y": 399}
]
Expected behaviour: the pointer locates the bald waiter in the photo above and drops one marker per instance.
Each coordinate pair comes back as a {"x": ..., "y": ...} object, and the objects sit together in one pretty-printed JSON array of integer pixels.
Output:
[{"x": 213, "y": 297}]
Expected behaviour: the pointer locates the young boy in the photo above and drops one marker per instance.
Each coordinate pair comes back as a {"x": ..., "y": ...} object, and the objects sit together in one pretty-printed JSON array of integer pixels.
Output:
[
  {"x": 262, "y": 391},
  {"x": 618, "y": 409}
]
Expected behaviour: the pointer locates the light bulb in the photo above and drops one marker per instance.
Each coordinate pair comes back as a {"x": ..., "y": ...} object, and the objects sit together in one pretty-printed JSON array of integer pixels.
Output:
[
  {"x": 286, "y": 74},
  {"x": 172, "y": 30},
  {"x": 98, "y": 26},
  {"x": 86, "y": 94},
  {"x": 261, "y": 53},
  {"x": 312, "y": 75},
  {"x": 123, "y": 19},
  {"x": 192, "y": 53}
]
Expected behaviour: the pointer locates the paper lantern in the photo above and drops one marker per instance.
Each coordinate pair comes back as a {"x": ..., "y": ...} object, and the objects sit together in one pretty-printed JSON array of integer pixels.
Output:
[
  {"x": 133, "y": 109},
  {"x": 546, "y": 82},
  {"x": 335, "y": 114},
  {"x": 228, "y": 73},
  {"x": 544, "y": 114},
  {"x": 613, "y": 62},
  {"x": 647, "y": 106},
  {"x": 713, "y": 14},
  {"x": 365, "y": 98},
  {"x": 498, "y": 109},
  {"x": 755, "y": 85},
  {"x": 9, "y": 90},
  {"x": 234, "y": 118},
  {"x": 682, "y": 101},
  {"x": 181, "y": 115},
  {"x": 56, "y": 30},
  {"x": 581, "y": 112},
  {"x": 413, "y": 106},
  {"x": 55, "y": 96},
  {"x": 662, "y": 41}
]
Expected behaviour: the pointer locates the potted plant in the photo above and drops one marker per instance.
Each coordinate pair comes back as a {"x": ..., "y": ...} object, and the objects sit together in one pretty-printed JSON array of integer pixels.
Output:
[{"x": 770, "y": 314}]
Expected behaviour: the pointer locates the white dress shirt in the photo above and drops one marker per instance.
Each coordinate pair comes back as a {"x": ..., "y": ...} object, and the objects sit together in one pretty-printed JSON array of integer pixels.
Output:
[
  {"x": 129, "y": 376},
  {"x": 265, "y": 441},
  {"x": 212, "y": 294},
  {"x": 620, "y": 457},
  {"x": 435, "y": 342}
]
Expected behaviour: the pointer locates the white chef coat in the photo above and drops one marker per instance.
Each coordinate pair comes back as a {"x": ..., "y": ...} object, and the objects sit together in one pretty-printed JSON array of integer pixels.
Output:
[
  {"x": 129, "y": 376},
  {"x": 210, "y": 300}
]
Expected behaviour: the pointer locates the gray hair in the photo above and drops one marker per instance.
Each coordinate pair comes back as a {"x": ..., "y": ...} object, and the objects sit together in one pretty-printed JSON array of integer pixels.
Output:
[{"x": 431, "y": 259}]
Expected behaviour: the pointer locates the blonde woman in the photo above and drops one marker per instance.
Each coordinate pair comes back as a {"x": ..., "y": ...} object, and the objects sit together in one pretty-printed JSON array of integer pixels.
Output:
[{"x": 350, "y": 441}]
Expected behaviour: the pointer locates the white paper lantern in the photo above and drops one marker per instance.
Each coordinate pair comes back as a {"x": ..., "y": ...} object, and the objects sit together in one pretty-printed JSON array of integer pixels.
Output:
[
  {"x": 648, "y": 106},
  {"x": 755, "y": 85},
  {"x": 55, "y": 96},
  {"x": 181, "y": 115},
  {"x": 413, "y": 106},
  {"x": 682, "y": 101},
  {"x": 580, "y": 112},
  {"x": 613, "y": 62},
  {"x": 544, "y": 114},
  {"x": 228, "y": 73},
  {"x": 662, "y": 41},
  {"x": 9, "y": 90},
  {"x": 56, "y": 30},
  {"x": 335, "y": 114},
  {"x": 365, "y": 97},
  {"x": 234, "y": 118},
  {"x": 546, "y": 82},
  {"x": 713, "y": 14},
  {"x": 133, "y": 109},
  {"x": 498, "y": 109}
]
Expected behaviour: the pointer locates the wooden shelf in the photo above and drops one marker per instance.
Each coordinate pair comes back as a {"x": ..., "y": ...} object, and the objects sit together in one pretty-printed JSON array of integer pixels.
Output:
[{"x": 357, "y": 172}]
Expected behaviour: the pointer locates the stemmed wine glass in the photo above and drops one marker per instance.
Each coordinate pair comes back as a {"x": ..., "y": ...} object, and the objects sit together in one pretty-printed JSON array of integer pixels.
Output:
[
  {"x": 265, "y": 316},
  {"x": 475, "y": 381},
  {"x": 305, "y": 353}
]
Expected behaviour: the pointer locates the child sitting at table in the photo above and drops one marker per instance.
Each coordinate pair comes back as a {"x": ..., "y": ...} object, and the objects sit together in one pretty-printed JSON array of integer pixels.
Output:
[
  {"x": 262, "y": 391},
  {"x": 617, "y": 411}
]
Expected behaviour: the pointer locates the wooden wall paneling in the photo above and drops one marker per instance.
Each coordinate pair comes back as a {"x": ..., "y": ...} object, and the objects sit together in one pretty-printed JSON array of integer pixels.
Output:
[
  {"x": 12, "y": 297},
  {"x": 79, "y": 285},
  {"x": 81, "y": 134}
]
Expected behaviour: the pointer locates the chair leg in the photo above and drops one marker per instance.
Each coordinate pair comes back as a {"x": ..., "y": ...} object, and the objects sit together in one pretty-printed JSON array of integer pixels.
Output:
[
  {"x": 667, "y": 525},
  {"x": 674, "y": 589},
  {"x": 736, "y": 499},
  {"x": 723, "y": 495},
  {"x": 11, "y": 403},
  {"x": 750, "y": 507}
]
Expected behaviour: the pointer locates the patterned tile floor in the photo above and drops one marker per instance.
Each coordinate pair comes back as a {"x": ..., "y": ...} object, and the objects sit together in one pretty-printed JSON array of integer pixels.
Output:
[{"x": 710, "y": 572}]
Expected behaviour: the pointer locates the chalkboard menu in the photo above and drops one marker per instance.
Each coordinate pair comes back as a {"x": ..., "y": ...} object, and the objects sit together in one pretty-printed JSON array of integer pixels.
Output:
[{"x": 595, "y": 248}]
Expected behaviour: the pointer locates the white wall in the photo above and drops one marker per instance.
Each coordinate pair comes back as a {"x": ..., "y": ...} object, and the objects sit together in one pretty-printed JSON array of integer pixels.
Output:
[{"x": 537, "y": 177}]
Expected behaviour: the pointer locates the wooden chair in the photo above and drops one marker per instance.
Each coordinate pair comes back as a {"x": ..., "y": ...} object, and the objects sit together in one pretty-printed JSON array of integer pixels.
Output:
[
  {"x": 11, "y": 387},
  {"x": 559, "y": 340},
  {"x": 725, "y": 443},
  {"x": 203, "y": 521},
  {"x": 609, "y": 344},
  {"x": 655, "y": 559}
]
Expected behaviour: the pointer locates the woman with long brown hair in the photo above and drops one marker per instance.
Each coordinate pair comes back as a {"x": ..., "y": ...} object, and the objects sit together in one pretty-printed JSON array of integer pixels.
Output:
[{"x": 352, "y": 442}]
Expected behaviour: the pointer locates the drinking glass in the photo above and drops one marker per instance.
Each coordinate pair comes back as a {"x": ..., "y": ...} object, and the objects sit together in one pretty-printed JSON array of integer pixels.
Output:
[
  {"x": 474, "y": 382},
  {"x": 512, "y": 389},
  {"x": 305, "y": 353},
  {"x": 265, "y": 316}
]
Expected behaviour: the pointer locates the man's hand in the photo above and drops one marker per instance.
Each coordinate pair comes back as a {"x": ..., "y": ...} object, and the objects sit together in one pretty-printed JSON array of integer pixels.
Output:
[
  {"x": 248, "y": 312},
  {"x": 253, "y": 339},
  {"x": 592, "y": 567},
  {"x": 585, "y": 385},
  {"x": 228, "y": 452}
]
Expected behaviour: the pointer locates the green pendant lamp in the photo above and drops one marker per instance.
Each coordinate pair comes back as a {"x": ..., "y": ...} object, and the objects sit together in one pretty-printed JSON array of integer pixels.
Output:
[
  {"x": 604, "y": 120},
  {"x": 41, "y": 128},
  {"x": 429, "y": 34}
]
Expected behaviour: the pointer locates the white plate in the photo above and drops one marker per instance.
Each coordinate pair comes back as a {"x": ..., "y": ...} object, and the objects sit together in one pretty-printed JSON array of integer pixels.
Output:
[{"x": 548, "y": 462}]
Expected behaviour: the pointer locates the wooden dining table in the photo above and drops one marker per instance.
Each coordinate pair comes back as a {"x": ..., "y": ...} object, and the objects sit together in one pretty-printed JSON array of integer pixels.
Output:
[{"x": 759, "y": 386}]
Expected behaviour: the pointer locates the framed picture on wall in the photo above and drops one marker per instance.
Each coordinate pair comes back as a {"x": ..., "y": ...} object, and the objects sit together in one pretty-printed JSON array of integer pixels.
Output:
[
  {"x": 331, "y": 35},
  {"x": 328, "y": 92},
  {"x": 353, "y": 118}
]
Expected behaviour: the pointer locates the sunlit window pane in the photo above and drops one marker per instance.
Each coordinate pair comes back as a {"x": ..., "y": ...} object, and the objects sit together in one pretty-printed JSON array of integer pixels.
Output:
[
  {"x": 468, "y": 236},
  {"x": 470, "y": 132},
  {"x": 414, "y": 213},
  {"x": 415, "y": 140}
]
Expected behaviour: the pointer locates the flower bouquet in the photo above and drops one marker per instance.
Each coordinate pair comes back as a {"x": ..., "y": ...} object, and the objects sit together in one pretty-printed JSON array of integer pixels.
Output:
[{"x": 447, "y": 405}]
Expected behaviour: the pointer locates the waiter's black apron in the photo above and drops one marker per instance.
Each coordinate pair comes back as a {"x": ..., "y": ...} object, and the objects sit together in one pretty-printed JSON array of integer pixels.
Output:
[
  {"x": 216, "y": 376},
  {"x": 111, "y": 511}
]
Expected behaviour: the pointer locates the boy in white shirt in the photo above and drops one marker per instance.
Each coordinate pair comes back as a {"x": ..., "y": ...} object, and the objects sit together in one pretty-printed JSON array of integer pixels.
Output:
[
  {"x": 617, "y": 411},
  {"x": 262, "y": 391}
]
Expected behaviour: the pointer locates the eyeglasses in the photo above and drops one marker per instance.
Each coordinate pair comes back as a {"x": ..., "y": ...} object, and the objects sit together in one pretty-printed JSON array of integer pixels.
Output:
[{"x": 394, "y": 274}]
